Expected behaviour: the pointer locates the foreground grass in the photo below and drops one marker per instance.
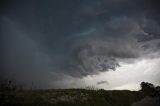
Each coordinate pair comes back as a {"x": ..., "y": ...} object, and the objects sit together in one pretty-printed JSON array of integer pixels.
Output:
[{"x": 70, "y": 97}]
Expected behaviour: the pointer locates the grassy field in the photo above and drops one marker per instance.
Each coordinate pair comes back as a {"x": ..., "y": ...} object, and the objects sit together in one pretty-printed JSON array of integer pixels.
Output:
[
  {"x": 9, "y": 96},
  {"x": 70, "y": 97}
]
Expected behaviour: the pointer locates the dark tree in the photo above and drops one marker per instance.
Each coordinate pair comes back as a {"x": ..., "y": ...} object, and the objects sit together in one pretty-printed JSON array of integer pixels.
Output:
[
  {"x": 148, "y": 89},
  {"x": 146, "y": 86}
]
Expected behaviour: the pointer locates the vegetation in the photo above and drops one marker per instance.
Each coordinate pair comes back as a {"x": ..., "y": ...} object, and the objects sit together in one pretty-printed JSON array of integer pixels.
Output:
[
  {"x": 76, "y": 97},
  {"x": 150, "y": 90}
]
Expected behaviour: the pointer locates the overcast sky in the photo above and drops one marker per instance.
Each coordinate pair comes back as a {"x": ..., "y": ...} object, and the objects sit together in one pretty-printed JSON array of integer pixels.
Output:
[{"x": 110, "y": 44}]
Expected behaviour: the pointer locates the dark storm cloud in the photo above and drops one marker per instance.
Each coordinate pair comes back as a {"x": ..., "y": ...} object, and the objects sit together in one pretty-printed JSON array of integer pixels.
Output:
[
  {"x": 22, "y": 58},
  {"x": 44, "y": 42}
]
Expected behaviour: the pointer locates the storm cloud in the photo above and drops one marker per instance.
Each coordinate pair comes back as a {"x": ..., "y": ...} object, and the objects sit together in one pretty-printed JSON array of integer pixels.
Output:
[{"x": 47, "y": 42}]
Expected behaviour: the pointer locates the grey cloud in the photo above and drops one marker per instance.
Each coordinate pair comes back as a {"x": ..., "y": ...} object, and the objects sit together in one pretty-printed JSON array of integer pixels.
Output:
[
  {"x": 118, "y": 40},
  {"x": 47, "y": 42},
  {"x": 102, "y": 82},
  {"x": 100, "y": 52},
  {"x": 25, "y": 62}
]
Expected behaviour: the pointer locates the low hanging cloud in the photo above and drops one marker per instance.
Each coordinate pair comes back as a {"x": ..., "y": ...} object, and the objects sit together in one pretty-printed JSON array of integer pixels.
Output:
[
  {"x": 102, "y": 50},
  {"x": 42, "y": 47},
  {"x": 102, "y": 82}
]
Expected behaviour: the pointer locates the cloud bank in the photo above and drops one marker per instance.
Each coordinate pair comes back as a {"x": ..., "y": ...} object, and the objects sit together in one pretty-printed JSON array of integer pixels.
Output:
[{"x": 45, "y": 43}]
